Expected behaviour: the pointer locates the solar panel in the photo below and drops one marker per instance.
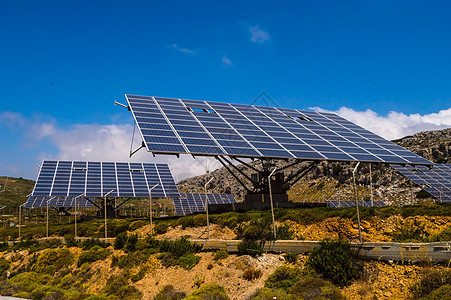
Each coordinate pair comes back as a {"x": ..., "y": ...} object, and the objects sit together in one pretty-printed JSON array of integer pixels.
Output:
[
  {"x": 35, "y": 202},
  {"x": 96, "y": 179},
  {"x": 435, "y": 180},
  {"x": 174, "y": 126},
  {"x": 341, "y": 204},
  {"x": 193, "y": 203}
]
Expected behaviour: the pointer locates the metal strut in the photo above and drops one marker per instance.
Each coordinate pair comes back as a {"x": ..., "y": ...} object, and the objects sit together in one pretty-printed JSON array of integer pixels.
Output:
[
  {"x": 238, "y": 169},
  {"x": 301, "y": 173},
  {"x": 246, "y": 164},
  {"x": 233, "y": 174}
]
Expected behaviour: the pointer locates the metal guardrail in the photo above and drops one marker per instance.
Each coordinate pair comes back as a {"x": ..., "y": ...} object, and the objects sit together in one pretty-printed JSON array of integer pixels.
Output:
[
  {"x": 383, "y": 251},
  {"x": 411, "y": 252}
]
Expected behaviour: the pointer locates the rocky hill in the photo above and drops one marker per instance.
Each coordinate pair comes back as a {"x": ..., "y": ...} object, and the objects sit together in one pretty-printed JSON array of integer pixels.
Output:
[{"x": 332, "y": 181}]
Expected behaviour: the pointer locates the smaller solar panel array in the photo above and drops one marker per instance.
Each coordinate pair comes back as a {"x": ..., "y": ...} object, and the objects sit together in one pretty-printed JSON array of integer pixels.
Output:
[
  {"x": 195, "y": 203},
  {"x": 339, "y": 204},
  {"x": 97, "y": 179},
  {"x": 436, "y": 180},
  {"x": 35, "y": 202}
]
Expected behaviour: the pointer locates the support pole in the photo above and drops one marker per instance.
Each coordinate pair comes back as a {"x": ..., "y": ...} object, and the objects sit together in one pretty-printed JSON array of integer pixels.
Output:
[
  {"x": 272, "y": 206},
  {"x": 106, "y": 230},
  {"x": 356, "y": 201},
  {"x": 206, "y": 209},
  {"x": 20, "y": 217},
  {"x": 371, "y": 187},
  {"x": 150, "y": 208}
]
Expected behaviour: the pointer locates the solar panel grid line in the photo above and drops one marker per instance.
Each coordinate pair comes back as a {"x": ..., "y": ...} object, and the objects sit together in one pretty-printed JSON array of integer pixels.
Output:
[
  {"x": 256, "y": 123},
  {"x": 202, "y": 126},
  {"x": 343, "y": 137},
  {"x": 70, "y": 178},
  {"x": 54, "y": 176},
  {"x": 286, "y": 130},
  {"x": 265, "y": 133},
  {"x": 159, "y": 177},
  {"x": 170, "y": 124},
  {"x": 235, "y": 131}
]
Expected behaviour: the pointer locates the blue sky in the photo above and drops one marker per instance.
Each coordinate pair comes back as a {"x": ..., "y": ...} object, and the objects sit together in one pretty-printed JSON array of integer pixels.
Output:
[{"x": 382, "y": 64}]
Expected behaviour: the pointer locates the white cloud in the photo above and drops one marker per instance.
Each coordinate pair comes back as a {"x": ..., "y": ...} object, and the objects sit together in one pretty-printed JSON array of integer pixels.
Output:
[
  {"x": 110, "y": 143},
  {"x": 395, "y": 125},
  {"x": 258, "y": 35},
  {"x": 183, "y": 50},
  {"x": 226, "y": 62}
]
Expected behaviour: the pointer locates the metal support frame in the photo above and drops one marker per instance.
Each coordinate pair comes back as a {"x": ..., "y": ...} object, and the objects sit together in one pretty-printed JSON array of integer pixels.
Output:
[
  {"x": 246, "y": 164},
  {"x": 150, "y": 207},
  {"x": 206, "y": 208},
  {"x": 371, "y": 187},
  {"x": 106, "y": 231},
  {"x": 290, "y": 165},
  {"x": 233, "y": 174},
  {"x": 356, "y": 201},
  {"x": 238, "y": 169},
  {"x": 75, "y": 216},
  {"x": 47, "y": 216},
  {"x": 20, "y": 217},
  {"x": 272, "y": 205},
  {"x": 122, "y": 203},
  {"x": 300, "y": 174}
]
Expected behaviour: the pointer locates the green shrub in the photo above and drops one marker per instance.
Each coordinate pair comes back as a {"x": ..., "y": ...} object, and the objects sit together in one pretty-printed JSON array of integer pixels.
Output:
[
  {"x": 161, "y": 228},
  {"x": 220, "y": 254},
  {"x": 52, "y": 260},
  {"x": 291, "y": 257},
  {"x": 120, "y": 240},
  {"x": 70, "y": 241},
  {"x": 179, "y": 247},
  {"x": 94, "y": 254},
  {"x": 431, "y": 281},
  {"x": 444, "y": 236},
  {"x": 283, "y": 278},
  {"x": 186, "y": 222},
  {"x": 135, "y": 225},
  {"x": 270, "y": 294},
  {"x": 169, "y": 293},
  {"x": 118, "y": 285},
  {"x": 130, "y": 245},
  {"x": 252, "y": 273},
  {"x": 4, "y": 265},
  {"x": 443, "y": 292},
  {"x": 334, "y": 261},
  {"x": 410, "y": 234},
  {"x": 141, "y": 273},
  {"x": 200, "y": 220},
  {"x": 248, "y": 247},
  {"x": 188, "y": 261},
  {"x": 316, "y": 288},
  {"x": 130, "y": 260},
  {"x": 89, "y": 243},
  {"x": 209, "y": 291},
  {"x": 284, "y": 232}
]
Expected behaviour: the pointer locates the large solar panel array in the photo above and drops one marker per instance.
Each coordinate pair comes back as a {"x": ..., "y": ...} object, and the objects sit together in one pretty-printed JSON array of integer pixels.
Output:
[
  {"x": 339, "y": 204},
  {"x": 194, "y": 203},
  {"x": 35, "y": 202},
  {"x": 174, "y": 126},
  {"x": 436, "y": 180},
  {"x": 96, "y": 179}
]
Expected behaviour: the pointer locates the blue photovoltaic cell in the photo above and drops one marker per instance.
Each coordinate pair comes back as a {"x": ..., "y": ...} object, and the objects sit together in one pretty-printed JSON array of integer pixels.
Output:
[
  {"x": 35, "y": 202},
  {"x": 436, "y": 180},
  {"x": 193, "y": 203},
  {"x": 97, "y": 179},
  {"x": 176, "y": 126}
]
